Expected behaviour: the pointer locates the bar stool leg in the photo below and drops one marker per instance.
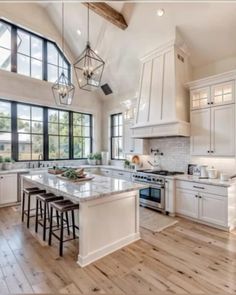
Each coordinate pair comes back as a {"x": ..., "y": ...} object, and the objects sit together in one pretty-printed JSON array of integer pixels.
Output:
[
  {"x": 73, "y": 223},
  {"x": 23, "y": 207},
  {"x": 44, "y": 220},
  {"x": 57, "y": 218},
  {"x": 28, "y": 211},
  {"x": 36, "y": 216},
  {"x": 67, "y": 222},
  {"x": 61, "y": 235},
  {"x": 41, "y": 210},
  {"x": 50, "y": 227}
]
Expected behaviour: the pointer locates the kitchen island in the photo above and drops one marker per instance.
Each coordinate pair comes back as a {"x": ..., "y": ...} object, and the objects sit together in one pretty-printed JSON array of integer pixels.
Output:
[{"x": 108, "y": 215}]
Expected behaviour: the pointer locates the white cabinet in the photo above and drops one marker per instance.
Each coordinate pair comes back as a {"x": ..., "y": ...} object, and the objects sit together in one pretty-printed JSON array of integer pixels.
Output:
[
  {"x": 133, "y": 145},
  {"x": 200, "y": 132},
  {"x": 122, "y": 174},
  {"x": 223, "y": 130},
  {"x": 222, "y": 93},
  {"x": 213, "y": 209},
  {"x": 213, "y": 131},
  {"x": 187, "y": 203},
  {"x": 213, "y": 115},
  {"x": 170, "y": 196},
  {"x": 200, "y": 98},
  {"x": 8, "y": 189},
  {"x": 216, "y": 94},
  {"x": 205, "y": 203},
  {"x": 106, "y": 172}
]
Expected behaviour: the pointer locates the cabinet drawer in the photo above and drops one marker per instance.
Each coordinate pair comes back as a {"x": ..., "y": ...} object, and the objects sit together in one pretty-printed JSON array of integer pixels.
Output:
[
  {"x": 200, "y": 187},
  {"x": 121, "y": 174},
  {"x": 106, "y": 172}
]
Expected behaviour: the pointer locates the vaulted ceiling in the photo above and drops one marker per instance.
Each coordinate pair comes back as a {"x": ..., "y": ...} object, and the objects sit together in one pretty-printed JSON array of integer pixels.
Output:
[{"x": 209, "y": 30}]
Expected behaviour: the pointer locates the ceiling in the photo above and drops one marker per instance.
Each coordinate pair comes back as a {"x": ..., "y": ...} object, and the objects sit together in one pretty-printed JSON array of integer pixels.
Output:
[{"x": 209, "y": 30}]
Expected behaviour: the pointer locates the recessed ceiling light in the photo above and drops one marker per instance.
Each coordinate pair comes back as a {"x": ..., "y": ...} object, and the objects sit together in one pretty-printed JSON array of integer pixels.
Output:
[
  {"x": 96, "y": 51},
  {"x": 79, "y": 32},
  {"x": 160, "y": 12}
]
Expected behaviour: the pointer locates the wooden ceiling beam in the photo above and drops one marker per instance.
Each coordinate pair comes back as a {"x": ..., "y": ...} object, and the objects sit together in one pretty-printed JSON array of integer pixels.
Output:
[{"x": 109, "y": 13}]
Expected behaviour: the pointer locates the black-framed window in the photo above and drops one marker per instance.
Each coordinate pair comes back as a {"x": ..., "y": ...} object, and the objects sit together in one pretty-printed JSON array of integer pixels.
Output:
[
  {"x": 27, "y": 130},
  {"x": 30, "y": 129},
  {"x": 82, "y": 135},
  {"x": 58, "y": 134},
  {"x": 117, "y": 137},
  {"x": 29, "y": 54},
  {"x": 5, "y": 129},
  {"x": 5, "y": 46}
]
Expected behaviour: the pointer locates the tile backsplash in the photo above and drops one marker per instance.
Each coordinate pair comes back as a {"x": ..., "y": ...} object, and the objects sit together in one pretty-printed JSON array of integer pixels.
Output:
[
  {"x": 177, "y": 156},
  {"x": 176, "y": 152}
]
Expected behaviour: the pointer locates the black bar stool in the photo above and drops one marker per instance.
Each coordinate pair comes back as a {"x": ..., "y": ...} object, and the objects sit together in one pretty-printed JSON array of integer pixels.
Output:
[
  {"x": 44, "y": 199},
  {"x": 62, "y": 207},
  {"x": 29, "y": 192}
]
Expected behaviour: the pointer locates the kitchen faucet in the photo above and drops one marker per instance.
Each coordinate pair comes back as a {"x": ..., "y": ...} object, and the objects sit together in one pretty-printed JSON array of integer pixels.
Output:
[{"x": 40, "y": 157}]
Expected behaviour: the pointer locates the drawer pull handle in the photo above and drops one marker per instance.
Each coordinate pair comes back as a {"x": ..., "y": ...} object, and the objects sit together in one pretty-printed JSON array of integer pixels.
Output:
[
  {"x": 199, "y": 197},
  {"x": 200, "y": 187},
  {"x": 121, "y": 174}
]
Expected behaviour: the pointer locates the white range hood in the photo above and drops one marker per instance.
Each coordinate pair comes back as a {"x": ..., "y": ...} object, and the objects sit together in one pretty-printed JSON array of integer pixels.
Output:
[{"x": 163, "y": 102}]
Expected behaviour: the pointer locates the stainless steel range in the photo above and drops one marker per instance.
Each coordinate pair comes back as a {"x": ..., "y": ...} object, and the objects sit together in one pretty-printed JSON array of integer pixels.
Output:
[{"x": 153, "y": 196}]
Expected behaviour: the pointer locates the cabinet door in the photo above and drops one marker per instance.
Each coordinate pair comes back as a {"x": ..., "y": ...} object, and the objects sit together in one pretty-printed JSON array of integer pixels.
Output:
[
  {"x": 222, "y": 93},
  {"x": 213, "y": 209},
  {"x": 223, "y": 130},
  {"x": 200, "y": 98},
  {"x": 8, "y": 188},
  {"x": 132, "y": 145},
  {"x": 170, "y": 195},
  {"x": 144, "y": 93},
  {"x": 187, "y": 203},
  {"x": 200, "y": 132}
]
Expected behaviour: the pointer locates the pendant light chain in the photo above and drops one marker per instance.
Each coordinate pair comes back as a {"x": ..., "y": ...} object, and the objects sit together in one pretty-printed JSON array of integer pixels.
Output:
[{"x": 88, "y": 24}]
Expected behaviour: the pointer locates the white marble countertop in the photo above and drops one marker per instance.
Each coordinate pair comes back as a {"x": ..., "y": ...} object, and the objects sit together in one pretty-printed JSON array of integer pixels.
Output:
[
  {"x": 99, "y": 186},
  {"x": 217, "y": 181}
]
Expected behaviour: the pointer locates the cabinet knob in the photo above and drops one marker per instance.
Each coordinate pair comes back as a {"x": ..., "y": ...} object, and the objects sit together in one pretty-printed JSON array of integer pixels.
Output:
[
  {"x": 208, "y": 152},
  {"x": 196, "y": 196},
  {"x": 212, "y": 102},
  {"x": 199, "y": 197},
  {"x": 212, "y": 152}
]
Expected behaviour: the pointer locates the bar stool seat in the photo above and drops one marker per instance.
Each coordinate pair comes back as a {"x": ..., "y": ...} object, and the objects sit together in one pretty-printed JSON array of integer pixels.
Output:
[
  {"x": 62, "y": 207},
  {"x": 29, "y": 192},
  {"x": 45, "y": 199}
]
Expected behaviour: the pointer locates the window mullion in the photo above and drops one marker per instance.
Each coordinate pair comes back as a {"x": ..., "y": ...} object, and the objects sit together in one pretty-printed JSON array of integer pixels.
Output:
[
  {"x": 45, "y": 134},
  {"x": 14, "y": 49},
  {"x": 45, "y": 60},
  {"x": 71, "y": 145},
  {"x": 14, "y": 131}
]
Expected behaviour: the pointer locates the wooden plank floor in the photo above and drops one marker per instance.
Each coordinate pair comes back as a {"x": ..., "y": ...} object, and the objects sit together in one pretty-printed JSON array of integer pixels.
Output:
[{"x": 186, "y": 258}]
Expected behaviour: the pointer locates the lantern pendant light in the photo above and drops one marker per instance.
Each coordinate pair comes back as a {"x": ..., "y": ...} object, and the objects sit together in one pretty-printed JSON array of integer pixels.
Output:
[
  {"x": 63, "y": 90},
  {"x": 89, "y": 66}
]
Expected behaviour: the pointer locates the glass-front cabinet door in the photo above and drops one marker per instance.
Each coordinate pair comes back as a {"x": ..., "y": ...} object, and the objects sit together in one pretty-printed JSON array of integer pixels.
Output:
[
  {"x": 222, "y": 93},
  {"x": 200, "y": 98}
]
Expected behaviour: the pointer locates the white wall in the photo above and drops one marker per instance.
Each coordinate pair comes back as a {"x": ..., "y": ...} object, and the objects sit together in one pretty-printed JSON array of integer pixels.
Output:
[
  {"x": 20, "y": 88},
  {"x": 217, "y": 67}
]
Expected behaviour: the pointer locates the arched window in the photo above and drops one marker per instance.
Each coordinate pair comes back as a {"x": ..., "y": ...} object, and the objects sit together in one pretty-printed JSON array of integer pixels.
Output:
[{"x": 29, "y": 54}]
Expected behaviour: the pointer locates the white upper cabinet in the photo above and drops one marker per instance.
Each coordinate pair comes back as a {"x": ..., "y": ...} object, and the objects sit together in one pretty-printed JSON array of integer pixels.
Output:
[
  {"x": 200, "y": 132},
  {"x": 222, "y": 93},
  {"x": 133, "y": 145},
  {"x": 200, "y": 98},
  {"x": 213, "y": 115},
  {"x": 223, "y": 130}
]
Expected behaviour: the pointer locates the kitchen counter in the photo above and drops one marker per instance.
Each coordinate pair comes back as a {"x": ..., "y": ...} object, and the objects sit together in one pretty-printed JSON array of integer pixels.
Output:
[
  {"x": 108, "y": 211},
  {"x": 186, "y": 177},
  {"x": 98, "y": 187}
]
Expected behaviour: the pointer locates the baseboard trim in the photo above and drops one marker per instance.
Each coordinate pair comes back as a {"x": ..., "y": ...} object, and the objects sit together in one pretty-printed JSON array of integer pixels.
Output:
[{"x": 93, "y": 256}]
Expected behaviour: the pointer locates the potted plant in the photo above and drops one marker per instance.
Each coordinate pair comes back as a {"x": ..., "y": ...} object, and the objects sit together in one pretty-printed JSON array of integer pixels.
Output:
[
  {"x": 91, "y": 159},
  {"x": 7, "y": 165},
  {"x": 1, "y": 161},
  {"x": 98, "y": 158}
]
